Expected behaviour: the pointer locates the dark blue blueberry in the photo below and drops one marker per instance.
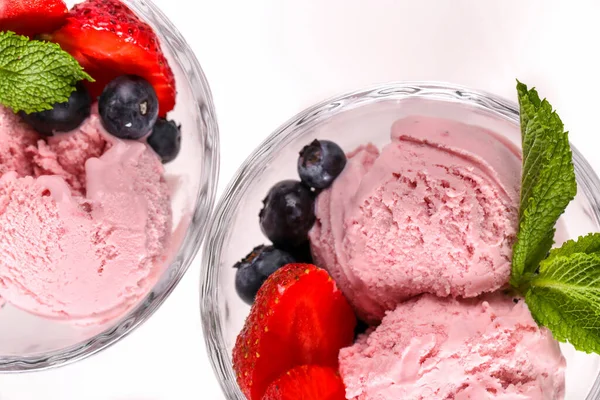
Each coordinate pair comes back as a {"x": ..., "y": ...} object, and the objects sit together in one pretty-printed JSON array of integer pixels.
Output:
[
  {"x": 256, "y": 267},
  {"x": 301, "y": 253},
  {"x": 63, "y": 117},
  {"x": 288, "y": 214},
  {"x": 320, "y": 163},
  {"x": 165, "y": 139},
  {"x": 128, "y": 107}
]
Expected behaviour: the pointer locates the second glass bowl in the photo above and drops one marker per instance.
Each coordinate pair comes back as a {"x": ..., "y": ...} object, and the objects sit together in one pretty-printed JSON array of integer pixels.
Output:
[
  {"x": 351, "y": 120},
  {"x": 28, "y": 342}
]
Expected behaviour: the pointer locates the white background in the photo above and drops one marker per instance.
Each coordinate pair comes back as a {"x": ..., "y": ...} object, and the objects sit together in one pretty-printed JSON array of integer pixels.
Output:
[{"x": 267, "y": 60}]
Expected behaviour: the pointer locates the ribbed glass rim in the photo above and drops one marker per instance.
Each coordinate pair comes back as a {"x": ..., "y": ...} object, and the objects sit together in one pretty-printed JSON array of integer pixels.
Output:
[
  {"x": 262, "y": 156},
  {"x": 205, "y": 199}
]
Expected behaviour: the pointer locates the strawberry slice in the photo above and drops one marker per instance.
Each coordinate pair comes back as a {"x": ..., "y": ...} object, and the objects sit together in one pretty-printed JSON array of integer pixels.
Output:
[
  {"x": 299, "y": 317},
  {"x": 32, "y": 17},
  {"x": 307, "y": 382},
  {"x": 109, "y": 40}
]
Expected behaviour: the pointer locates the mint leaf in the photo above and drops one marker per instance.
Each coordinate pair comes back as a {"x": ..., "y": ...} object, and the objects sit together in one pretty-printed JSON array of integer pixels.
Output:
[
  {"x": 34, "y": 75},
  {"x": 565, "y": 295},
  {"x": 561, "y": 286},
  {"x": 529, "y": 102},
  {"x": 585, "y": 244},
  {"x": 547, "y": 185},
  {"x": 530, "y": 106}
]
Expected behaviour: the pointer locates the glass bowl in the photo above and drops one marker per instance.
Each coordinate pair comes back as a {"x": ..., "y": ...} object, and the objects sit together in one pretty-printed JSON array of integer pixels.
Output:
[
  {"x": 350, "y": 120},
  {"x": 28, "y": 342}
]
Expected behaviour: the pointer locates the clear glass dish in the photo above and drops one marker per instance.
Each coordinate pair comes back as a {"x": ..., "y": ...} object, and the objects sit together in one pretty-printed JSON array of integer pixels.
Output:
[
  {"x": 350, "y": 120},
  {"x": 28, "y": 342}
]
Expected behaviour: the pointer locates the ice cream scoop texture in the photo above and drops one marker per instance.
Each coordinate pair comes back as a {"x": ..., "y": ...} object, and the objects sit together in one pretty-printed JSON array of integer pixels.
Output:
[
  {"x": 443, "y": 348},
  {"x": 84, "y": 220},
  {"x": 433, "y": 212}
]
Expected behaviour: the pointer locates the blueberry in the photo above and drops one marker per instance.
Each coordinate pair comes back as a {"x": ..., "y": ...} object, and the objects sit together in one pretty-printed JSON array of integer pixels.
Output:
[
  {"x": 165, "y": 139},
  {"x": 288, "y": 214},
  {"x": 320, "y": 163},
  {"x": 128, "y": 107},
  {"x": 256, "y": 267},
  {"x": 301, "y": 253},
  {"x": 63, "y": 117}
]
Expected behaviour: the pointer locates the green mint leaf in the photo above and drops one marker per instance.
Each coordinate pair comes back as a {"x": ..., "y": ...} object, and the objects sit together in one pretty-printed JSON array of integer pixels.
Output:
[
  {"x": 561, "y": 286},
  {"x": 35, "y": 75},
  {"x": 547, "y": 185},
  {"x": 565, "y": 295},
  {"x": 588, "y": 244}
]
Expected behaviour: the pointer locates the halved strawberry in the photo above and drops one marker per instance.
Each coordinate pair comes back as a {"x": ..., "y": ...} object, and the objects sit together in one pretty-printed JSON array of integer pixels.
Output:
[
  {"x": 109, "y": 40},
  {"x": 32, "y": 17},
  {"x": 299, "y": 317},
  {"x": 307, "y": 382}
]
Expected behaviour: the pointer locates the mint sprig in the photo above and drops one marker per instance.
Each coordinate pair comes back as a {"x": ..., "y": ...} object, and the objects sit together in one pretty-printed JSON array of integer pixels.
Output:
[
  {"x": 561, "y": 286},
  {"x": 547, "y": 184},
  {"x": 35, "y": 75},
  {"x": 565, "y": 297}
]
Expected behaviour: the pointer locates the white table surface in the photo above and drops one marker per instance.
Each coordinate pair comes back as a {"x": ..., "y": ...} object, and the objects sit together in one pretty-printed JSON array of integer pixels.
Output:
[{"x": 267, "y": 60}]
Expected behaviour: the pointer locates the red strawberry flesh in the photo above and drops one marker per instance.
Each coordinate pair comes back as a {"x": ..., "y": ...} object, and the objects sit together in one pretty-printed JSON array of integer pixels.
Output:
[
  {"x": 32, "y": 17},
  {"x": 299, "y": 317},
  {"x": 109, "y": 40},
  {"x": 307, "y": 382}
]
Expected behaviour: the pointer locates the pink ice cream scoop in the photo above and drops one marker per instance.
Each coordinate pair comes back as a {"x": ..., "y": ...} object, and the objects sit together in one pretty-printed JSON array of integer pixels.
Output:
[
  {"x": 84, "y": 221},
  {"x": 15, "y": 139},
  {"x": 433, "y": 348},
  {"x": 435, "y": 211}
]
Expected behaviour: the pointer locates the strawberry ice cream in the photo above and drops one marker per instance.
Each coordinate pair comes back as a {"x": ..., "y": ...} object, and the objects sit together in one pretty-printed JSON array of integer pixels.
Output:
[
  {"x": 435, "y": 211},
  {"x": 15, "y": 140},
  {"x": 84, "y": 220},
  {"x": 434, "y": 348}
]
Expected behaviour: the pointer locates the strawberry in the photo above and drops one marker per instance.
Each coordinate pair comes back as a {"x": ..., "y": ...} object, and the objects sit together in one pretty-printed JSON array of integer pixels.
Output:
[
  {"x": 307, "y": 382},
  {"x": 299, "y": 317},
  {"x": 109, "y": 40},
  {"x": 32, "y": 17}
]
